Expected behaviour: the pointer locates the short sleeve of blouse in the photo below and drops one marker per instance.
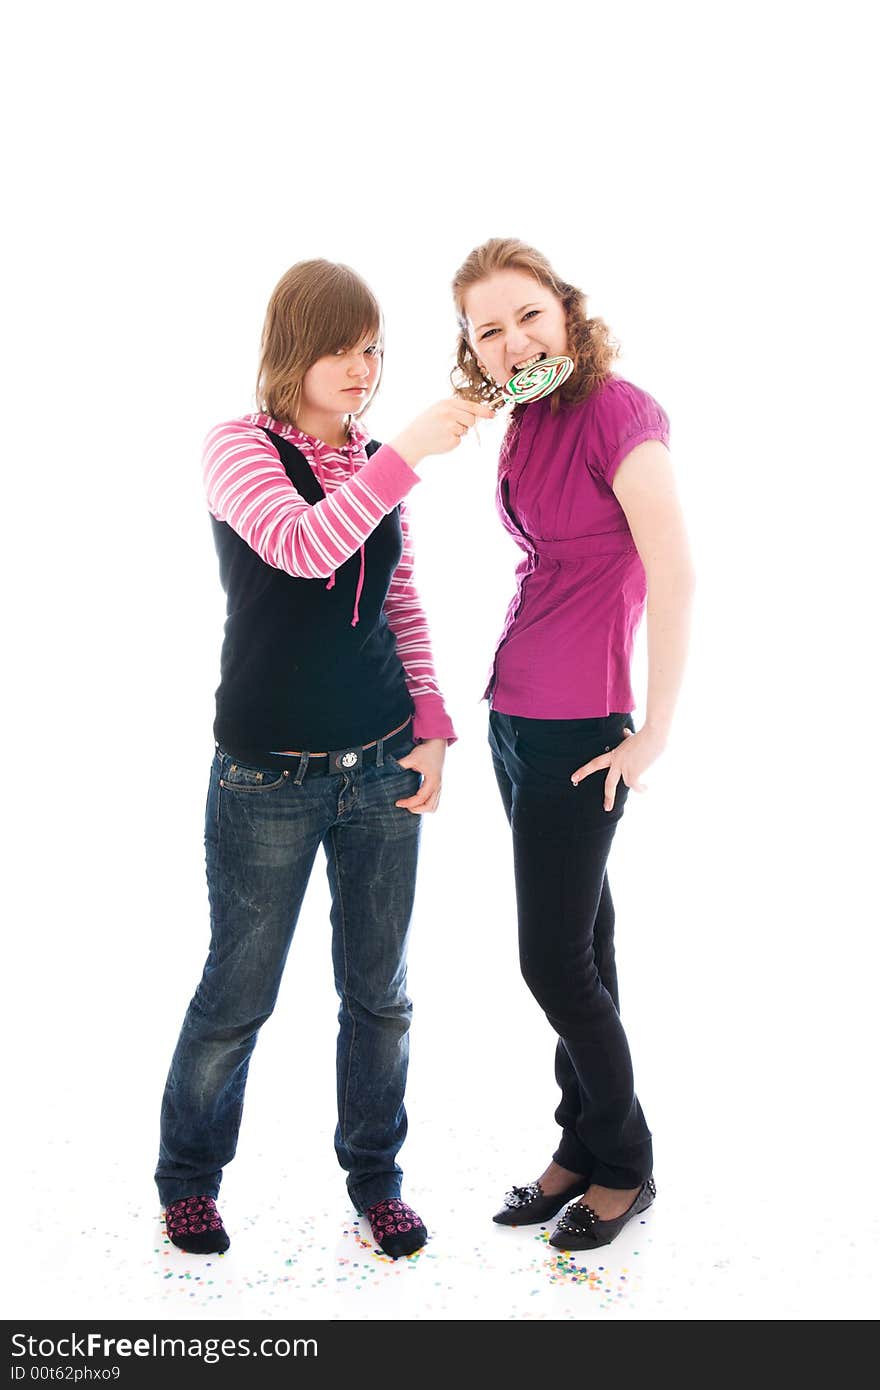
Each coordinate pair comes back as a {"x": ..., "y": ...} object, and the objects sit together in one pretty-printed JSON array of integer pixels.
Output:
[{"x": 623, "y": 417}]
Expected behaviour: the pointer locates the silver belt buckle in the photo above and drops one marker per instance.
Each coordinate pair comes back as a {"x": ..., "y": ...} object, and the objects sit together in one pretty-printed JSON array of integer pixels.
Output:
[{"x": 346, "y": 759}]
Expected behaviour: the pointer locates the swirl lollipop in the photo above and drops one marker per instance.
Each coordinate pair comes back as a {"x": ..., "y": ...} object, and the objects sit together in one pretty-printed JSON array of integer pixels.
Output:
[{"x": 533, "y": 383}]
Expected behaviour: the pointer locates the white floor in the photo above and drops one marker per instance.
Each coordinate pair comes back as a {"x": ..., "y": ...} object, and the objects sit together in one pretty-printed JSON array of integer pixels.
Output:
[{"x": 719, "y": 1250}]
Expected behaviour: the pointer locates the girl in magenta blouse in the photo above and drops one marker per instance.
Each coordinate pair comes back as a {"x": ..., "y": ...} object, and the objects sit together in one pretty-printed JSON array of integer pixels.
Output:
[{"x": 586, "y": 489}]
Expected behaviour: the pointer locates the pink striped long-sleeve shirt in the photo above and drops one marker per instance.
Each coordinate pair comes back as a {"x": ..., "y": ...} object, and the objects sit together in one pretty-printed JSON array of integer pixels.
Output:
[{"x": 247, "y": 487}]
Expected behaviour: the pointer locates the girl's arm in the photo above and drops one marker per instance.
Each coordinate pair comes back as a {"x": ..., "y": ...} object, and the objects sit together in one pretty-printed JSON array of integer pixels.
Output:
[
  {"x": 407, "y": 621},
  {"x": 247, "y": 487},
  {"x": 645, "y": 488},
  {"x": 431, "y": 724}
]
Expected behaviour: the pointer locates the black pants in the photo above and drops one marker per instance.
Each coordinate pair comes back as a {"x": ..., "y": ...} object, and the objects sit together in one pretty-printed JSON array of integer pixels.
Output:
[{"x": 561, "y": 839}]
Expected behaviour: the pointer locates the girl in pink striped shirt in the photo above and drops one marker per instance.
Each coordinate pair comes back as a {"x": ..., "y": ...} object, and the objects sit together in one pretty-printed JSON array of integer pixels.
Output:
[{"x": 330, "y": 732}]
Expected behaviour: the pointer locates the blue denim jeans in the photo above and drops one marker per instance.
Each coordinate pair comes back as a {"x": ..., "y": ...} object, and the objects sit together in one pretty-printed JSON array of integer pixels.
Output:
[{"x": 262, "y": 833}]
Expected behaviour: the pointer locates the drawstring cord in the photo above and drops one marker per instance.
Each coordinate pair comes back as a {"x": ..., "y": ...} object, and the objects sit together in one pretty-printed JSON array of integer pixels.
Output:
[{"x": 357, "y": 598}]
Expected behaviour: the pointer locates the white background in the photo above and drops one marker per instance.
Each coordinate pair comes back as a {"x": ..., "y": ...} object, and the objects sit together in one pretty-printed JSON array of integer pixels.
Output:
[{"x": 703, "y": 172}]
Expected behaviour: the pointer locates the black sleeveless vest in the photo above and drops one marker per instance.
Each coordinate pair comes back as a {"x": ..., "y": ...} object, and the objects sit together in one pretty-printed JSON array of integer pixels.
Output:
[{"x": 294, "y": 673}]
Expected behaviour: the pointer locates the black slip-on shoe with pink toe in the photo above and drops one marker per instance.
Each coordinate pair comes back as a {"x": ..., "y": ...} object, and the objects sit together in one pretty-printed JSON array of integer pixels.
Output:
[
  {"x": 194, "y": 1224},
  {"x": 396, "y": 1228}
]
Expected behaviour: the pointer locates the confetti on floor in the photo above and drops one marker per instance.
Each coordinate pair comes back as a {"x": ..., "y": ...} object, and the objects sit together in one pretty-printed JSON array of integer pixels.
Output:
[{"x": 286, "y": 1261}]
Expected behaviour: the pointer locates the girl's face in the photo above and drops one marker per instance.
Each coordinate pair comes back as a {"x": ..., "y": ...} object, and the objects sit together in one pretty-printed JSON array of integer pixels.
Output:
[
  {"x": 513, "y": 321},
  {"x": 342, "y": 382}
]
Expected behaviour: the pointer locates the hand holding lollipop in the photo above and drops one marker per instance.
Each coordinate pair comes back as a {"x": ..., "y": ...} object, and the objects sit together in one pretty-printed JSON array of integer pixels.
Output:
[{"x": 439, "y": 429}]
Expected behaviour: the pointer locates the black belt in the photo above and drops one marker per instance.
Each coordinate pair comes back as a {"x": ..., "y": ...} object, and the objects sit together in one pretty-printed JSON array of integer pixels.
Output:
[{"x": 334, "y": 762}]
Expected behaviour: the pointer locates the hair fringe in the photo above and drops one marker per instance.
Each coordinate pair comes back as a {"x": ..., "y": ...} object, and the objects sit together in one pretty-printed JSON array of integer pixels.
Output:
[{"x": 316, "y": 308}]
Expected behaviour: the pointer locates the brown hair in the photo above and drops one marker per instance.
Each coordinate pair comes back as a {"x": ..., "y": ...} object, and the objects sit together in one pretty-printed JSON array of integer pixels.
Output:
[
  {"x": 590, "y": 343},
  {"x": 316, "y": 308}
]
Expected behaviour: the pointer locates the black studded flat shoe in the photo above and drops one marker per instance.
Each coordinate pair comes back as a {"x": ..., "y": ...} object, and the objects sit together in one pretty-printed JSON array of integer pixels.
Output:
[
  {"x": 528, "y": 1206},
  {"x": 581, "y": 1229}
]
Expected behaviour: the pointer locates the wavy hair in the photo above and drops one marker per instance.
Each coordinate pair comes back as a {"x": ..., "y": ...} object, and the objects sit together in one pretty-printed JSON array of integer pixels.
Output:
[
  {"x": 590, "y": 344},
  {"x": 316, "y": 308}
]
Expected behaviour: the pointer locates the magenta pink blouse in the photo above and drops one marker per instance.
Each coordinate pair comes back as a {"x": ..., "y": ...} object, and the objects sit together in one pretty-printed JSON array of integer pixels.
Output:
[{"x": 566, "y": 648}]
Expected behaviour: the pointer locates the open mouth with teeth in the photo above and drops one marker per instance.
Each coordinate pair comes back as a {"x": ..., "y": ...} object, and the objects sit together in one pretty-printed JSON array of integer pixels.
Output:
[{"x": 530, "y": 362}]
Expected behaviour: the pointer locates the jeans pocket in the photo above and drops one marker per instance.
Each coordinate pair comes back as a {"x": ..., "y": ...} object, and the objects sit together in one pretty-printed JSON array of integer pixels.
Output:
[
  {"x": 251, "y": 781},
  {"x": 402, "y": 752}
]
